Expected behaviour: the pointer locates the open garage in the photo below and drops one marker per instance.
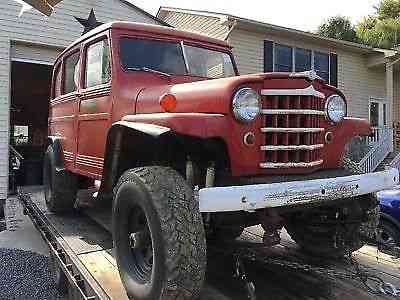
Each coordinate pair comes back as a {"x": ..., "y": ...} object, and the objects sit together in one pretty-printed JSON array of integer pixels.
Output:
[
  {"x": 29, "y": 44},
  {"x": 30, "y": 90}
]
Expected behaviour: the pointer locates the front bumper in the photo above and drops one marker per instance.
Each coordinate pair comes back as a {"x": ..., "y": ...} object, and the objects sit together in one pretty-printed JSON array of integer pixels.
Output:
[{"x": 251, "y": 197}]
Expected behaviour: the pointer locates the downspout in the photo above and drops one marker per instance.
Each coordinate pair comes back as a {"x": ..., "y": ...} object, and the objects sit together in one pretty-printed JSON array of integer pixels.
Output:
[{"x": 390, "y": 93}]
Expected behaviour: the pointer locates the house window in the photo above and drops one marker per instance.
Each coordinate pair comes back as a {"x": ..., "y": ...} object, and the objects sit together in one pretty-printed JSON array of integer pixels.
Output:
[
  {"x": 377, "y": 112},
  {"x": 71, "y": 73},
  {"x": 303, "y": 60},
  {"x": 98, "y": 67},
  {"x": 321, "y": 65},
  {"x": 283, "y": 58}
]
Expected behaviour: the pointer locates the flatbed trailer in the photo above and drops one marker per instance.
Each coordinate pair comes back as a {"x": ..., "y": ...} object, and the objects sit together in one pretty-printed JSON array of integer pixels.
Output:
[{"x": 81, "y": 247}]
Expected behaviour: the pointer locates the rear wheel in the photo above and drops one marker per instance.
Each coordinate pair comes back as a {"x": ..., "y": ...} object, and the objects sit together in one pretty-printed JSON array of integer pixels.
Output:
[
  {"x": 158, "y": 235},
  {"x": 60, "y": 186}
]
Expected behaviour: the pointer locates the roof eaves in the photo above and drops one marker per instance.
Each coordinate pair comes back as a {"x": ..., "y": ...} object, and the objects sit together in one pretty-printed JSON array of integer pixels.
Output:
[
  {"x": 306, "y": 34},
  {"x": 273, "y": 27},
  {"x": 145, "y": 13},
  {"x": 191, "y": 11}
]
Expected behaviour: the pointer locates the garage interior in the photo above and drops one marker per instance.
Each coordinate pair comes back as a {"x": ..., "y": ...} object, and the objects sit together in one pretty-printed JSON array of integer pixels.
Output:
[{"x": 30, "y": 94}]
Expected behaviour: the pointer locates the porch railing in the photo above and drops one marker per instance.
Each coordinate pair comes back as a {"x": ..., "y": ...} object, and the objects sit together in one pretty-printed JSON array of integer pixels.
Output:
[
  {"x": 395, "y": 163},
  {"x": 381, "y": 145}
]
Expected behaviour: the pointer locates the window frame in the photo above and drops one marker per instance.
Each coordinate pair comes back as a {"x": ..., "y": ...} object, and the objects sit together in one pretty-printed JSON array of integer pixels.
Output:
[
  {"x": 89, "y": 43},
  {"x": 313, "y": 51},
  {"x": 382, "y": 111},
  {"x": 66, "y": 56},
  {"x": 58, "y": 67}
]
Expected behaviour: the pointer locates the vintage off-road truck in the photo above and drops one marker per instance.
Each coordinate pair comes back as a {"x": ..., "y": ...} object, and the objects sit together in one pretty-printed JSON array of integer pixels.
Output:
[{"x": 187, "y": 151}]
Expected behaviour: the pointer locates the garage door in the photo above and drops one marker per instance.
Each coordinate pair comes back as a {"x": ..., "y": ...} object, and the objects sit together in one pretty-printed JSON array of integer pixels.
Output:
[{"x": 34, "y": 53}]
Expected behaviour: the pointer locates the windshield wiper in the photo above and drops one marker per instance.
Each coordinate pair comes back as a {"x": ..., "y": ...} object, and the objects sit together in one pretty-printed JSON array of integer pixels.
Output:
[{"x": 145, "y": 69}]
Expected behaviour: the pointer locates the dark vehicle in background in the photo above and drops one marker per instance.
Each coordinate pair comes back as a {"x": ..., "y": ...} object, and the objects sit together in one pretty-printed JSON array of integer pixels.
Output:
[{"x": 389, "y": 225}]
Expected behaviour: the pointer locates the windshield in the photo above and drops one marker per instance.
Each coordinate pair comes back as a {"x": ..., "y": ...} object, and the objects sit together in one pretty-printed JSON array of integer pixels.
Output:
[
  {"x": 169, "y": 57},
  {"x": 208, "y": 63}
]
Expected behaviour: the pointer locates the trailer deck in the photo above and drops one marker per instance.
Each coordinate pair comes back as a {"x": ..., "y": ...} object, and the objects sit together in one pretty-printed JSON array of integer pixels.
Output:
[{"x": 83, "y": 248}]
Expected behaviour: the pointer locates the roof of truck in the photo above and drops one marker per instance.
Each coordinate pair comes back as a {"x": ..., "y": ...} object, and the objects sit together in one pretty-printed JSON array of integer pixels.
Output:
[{"x": 153, "y": 29}]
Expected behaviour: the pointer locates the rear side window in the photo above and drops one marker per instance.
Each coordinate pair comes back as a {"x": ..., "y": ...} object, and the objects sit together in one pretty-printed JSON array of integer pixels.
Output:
[
  {"x": 98, "y": 66},
  {"x": 58, "y": 82},
  {"x": 71, "y": 73},
  {"x": 157, "y": 55}
]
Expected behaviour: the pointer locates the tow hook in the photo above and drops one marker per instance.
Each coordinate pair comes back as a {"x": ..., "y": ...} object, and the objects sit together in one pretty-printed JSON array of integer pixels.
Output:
[
  {"x": 272, "y": 224},
  {"x": 240, "y": 274}
]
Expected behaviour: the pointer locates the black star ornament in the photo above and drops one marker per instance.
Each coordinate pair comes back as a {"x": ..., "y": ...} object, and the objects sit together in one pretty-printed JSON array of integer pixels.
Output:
[{"x": 89, "y": 23}]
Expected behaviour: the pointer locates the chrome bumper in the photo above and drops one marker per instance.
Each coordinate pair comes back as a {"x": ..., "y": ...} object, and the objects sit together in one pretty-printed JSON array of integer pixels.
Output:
[{"x": 251, "y": 197}]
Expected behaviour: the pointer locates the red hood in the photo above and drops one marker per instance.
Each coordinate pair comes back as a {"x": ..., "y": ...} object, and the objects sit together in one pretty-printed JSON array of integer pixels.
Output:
[{"x": 214, "y": 96}]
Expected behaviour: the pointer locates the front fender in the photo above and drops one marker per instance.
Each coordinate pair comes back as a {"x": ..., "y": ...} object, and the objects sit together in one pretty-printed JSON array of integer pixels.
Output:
[
  {"x": 144, "y": 135},
  {"x": 243, "y": 160},
  {"x": 150, "y": 129},
  {"x": 201, "y": 125},
  {"x": 342, "y": 134}
]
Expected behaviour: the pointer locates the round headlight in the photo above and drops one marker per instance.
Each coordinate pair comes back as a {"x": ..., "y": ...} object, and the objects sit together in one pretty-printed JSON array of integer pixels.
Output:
[
  {"x": 336, "y": 108},
  {"x": 246, "y": 105}
]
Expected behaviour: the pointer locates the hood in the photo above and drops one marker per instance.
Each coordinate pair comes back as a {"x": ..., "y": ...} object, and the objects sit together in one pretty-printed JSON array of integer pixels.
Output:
[{"x": 215, "y": 95}]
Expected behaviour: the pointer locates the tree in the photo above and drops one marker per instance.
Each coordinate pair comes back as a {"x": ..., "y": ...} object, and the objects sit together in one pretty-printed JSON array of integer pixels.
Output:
[
  {"x": 383, "y": 28},
  {"x": 340, "y": 28},
  {"x": 388, "y": 9}
]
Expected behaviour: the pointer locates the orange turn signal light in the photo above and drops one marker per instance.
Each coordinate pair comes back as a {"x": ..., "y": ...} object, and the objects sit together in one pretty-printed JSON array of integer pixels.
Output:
[{"x": 168, "y": 102}]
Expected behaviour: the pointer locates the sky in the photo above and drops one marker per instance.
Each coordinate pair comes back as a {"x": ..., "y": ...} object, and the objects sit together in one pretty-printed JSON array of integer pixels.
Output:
[{"x": 304, "y": 15}]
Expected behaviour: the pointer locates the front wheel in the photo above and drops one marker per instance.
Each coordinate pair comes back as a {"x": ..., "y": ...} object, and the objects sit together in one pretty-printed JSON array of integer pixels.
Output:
[{"x": 158, "y": 235}]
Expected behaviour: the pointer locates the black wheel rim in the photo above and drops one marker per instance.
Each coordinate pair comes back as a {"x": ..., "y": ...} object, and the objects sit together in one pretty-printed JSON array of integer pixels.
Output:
[{"x": 141, "y": 245}]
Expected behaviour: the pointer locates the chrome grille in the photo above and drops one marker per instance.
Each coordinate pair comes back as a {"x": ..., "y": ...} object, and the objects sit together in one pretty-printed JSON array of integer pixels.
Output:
[{"x": 294, "y": 136}]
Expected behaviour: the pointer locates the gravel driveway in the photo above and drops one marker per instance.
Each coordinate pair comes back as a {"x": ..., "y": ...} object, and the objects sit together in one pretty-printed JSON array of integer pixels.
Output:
[{"x": 25, "y": 275}]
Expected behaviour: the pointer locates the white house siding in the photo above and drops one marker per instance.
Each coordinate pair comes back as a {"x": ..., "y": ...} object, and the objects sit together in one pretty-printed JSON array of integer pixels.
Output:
[
  {"x": 57, "y": 31},
  {"x": 33, "y": 53},
  {"x": 207, "y": 25},
  {"x": 356, "y": 81}
]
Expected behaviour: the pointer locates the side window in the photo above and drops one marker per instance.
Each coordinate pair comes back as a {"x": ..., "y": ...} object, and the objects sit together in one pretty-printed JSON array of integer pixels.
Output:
[
  {"x": 71, "y": 73},
  {"x": 98, "y": 64},
  {"x": 58, "y": 81},
  {"x": 283, "y": 58}
]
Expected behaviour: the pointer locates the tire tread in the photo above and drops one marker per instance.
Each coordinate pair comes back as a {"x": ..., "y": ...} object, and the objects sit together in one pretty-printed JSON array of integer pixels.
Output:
[{"x": 182, "y": 227}]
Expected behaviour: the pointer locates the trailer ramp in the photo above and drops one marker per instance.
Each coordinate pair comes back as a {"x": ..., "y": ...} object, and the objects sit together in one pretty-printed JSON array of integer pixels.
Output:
[{"x": 84, "y": 252}]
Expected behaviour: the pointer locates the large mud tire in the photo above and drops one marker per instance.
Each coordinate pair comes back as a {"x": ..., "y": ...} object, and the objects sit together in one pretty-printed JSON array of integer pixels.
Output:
[
  {"x": 174, "y": 230},
  {"x": 60, "y": 185}
]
